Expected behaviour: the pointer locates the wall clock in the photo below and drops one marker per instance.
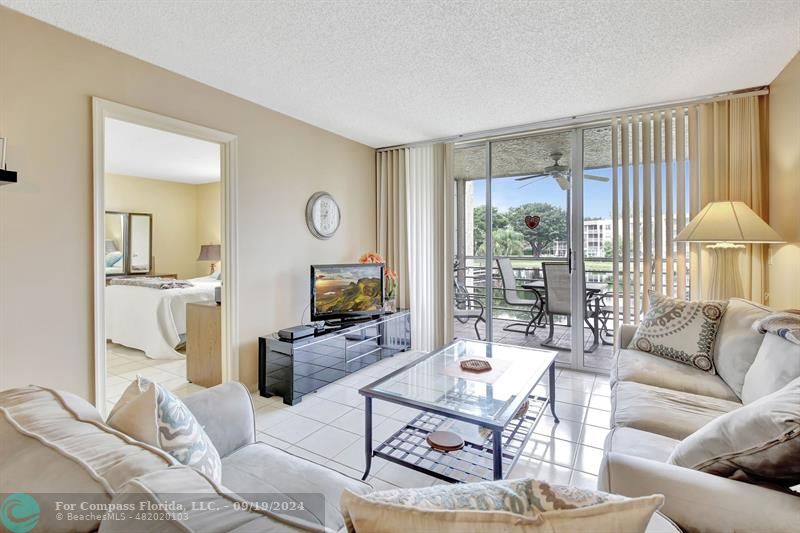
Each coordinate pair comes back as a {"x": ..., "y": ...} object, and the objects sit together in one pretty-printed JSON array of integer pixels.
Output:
[{"x": 322, "y": 215}]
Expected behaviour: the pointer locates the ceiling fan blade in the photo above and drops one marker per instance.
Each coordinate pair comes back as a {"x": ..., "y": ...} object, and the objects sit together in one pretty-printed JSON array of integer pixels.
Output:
[
  {"x": 538, "y": 179},
  {"x": 595, "y": 178},
  {"x": 523, "y": 178}
]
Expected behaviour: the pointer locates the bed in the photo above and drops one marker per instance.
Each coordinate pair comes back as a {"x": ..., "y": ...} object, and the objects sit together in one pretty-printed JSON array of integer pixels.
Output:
[{"x": 153, "y": 320}]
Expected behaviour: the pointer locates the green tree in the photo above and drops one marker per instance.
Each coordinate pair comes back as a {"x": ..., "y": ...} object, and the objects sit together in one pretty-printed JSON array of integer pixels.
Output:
[
  {"x": 552, "y": 225},
  {"x": 499, "y": 220},
  {"x": 508, "y": 241}
]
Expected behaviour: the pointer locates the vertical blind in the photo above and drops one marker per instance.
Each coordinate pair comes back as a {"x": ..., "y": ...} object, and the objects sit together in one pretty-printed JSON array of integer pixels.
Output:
[{"x": 655, "y": 186}]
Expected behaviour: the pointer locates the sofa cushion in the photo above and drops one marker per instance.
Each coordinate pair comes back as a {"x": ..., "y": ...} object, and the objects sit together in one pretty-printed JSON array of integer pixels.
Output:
[
  {"x": 202, "y": 506},
  {"x": 776, "y": 364},
  {"x": 667, "y": 412},
  {"x": 523, "y": 505},
  {"x": 149, "y": 412},
  {"x": 640, "y": 444},
  {"x": 54, "y": 443},
  {"x": 737, "y": 342},
  {"x": 641, "y": 367},
  {"x": 758, "y": 443},
  {"x": 680, "y": 330},
  {"x": 260, "y": 468}
]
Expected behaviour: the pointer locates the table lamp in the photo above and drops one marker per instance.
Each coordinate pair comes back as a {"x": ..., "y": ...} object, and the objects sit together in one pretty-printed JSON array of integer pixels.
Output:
[
  {"x": 210, "y": 252},
  {"x": 729, "y": 226}
]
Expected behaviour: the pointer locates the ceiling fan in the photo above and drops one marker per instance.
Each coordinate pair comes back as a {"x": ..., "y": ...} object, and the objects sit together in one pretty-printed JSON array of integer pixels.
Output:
[{"x": 559, "y": 172}]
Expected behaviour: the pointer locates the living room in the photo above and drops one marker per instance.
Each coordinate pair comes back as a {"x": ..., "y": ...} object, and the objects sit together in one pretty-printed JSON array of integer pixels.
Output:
[{"x": 404, "y": 308}]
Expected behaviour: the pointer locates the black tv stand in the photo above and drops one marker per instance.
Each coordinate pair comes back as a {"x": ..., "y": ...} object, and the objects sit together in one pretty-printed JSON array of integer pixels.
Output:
[{"x": 342, "y": 323}]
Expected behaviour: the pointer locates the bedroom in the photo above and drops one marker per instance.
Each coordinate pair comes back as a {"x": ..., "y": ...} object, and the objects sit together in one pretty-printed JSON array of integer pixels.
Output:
[{"x": 162, "y": 257}]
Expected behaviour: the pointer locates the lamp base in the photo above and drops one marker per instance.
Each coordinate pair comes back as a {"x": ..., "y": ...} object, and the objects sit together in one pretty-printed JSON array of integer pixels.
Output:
[{"x": 726, "y": 281}]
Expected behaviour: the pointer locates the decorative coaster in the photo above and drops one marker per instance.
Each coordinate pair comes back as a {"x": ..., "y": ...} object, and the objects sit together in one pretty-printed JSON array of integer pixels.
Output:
[
  {"x": 523, "y": 409},
  {"x": 475, "y": 365},
  {"x": 445, "y": 441}
]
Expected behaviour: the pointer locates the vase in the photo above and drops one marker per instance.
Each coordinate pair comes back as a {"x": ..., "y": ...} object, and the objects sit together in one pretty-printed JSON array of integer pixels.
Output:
[{"x": 390, "y": 306}]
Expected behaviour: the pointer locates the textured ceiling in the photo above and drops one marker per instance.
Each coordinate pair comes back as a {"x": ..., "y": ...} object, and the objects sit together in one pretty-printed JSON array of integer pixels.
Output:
[
  {"x": 384, "y": 72},
  {"x": 134, "y": 150}
]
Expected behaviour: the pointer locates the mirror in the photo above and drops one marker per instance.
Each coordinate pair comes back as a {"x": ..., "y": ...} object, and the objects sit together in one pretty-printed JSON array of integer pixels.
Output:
[
  {"x": 141, "y": 242},
  {"x": 116, "y": 242}
]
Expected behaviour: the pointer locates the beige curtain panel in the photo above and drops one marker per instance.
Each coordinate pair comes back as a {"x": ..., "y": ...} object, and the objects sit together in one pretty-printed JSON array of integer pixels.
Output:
[
  {"x": 732, "y": 148},
  {"x": 392, "y": 212}
]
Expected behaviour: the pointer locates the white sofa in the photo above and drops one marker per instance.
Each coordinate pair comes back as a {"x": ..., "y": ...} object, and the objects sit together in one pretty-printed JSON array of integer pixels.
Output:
[{"x": 658, "y": 402}]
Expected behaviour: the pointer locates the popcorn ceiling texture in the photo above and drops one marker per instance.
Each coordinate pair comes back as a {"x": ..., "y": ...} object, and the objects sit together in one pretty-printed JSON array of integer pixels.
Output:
[{"x": 384, "y": 73}]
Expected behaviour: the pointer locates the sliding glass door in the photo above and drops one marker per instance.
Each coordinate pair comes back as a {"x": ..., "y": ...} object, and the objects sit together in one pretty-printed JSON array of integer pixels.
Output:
[{"x": 515, "y": 234}]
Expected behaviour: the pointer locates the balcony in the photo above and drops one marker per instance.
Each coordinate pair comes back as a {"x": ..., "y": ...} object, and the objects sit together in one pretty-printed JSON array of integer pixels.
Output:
[{"x": 528, "y": 270}]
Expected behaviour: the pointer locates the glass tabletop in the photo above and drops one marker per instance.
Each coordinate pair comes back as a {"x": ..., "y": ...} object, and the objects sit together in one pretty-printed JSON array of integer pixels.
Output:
[{"x": 436, "y": 381}]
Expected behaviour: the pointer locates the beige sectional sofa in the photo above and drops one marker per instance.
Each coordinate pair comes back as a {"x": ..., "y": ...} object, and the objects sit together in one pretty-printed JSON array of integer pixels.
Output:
[
  {"x": 54, "y": 444},
  {"x": 658, "y": 402}
]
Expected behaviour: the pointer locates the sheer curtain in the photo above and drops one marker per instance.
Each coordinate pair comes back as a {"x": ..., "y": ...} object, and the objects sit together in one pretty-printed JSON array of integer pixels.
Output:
[{"x": 392, "y": 177}]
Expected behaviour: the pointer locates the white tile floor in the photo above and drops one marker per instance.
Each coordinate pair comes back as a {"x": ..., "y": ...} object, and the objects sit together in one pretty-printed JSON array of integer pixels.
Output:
[
  {"x": 124, "y": 364},
  {"x": 327, "y": 427}
]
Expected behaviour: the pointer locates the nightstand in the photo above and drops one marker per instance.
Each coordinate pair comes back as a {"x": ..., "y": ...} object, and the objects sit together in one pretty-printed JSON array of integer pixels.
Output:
[{"x": 204, "y": 343}]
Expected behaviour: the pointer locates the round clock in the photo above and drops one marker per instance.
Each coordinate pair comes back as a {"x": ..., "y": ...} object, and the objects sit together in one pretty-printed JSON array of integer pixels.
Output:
[{"x": 322, "y": 215}]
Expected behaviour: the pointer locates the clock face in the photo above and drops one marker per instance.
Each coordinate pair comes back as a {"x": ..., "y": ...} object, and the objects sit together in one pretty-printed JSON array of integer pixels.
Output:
[{"x": 322, "y": 215}]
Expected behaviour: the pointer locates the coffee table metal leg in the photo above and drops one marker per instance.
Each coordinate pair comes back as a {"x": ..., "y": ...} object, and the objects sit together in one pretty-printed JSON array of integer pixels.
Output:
[
  {"x": 551, "y": 391},
  {"x": 497, "y": 453},
  {"x": 367, "y": 435}
]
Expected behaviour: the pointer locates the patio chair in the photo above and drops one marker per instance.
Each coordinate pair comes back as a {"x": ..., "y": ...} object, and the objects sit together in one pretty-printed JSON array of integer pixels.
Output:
[
  {"x": 606, "y": 317},
  {"x": 511, "y": 297},
  {"x": 467, "y": 307},
  {"x": 557, "y": 301}
]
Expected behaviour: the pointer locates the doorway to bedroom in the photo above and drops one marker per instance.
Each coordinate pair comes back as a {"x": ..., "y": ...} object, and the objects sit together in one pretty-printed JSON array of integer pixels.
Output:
[{"x": 161, "y": 213}]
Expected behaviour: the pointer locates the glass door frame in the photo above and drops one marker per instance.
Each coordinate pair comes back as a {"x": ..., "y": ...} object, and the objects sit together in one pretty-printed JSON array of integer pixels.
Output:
[{"x": 575, "y": 237}]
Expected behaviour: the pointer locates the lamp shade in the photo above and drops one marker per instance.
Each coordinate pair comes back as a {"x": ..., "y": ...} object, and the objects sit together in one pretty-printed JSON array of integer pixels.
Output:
[
  {"x": 209, "y": 252},
  {"x": 728, "y": 221}
]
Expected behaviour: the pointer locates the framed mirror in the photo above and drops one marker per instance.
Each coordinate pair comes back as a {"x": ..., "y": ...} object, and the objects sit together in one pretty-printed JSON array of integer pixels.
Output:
[
  {"x": 140, "y": 234},
  {"x": 116, "y": 243}
]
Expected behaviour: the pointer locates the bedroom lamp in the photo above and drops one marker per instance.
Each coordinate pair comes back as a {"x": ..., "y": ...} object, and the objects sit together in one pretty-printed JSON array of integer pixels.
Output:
[
  {"x": 729, "y": 226},
  {"x": 210, "y": 252}
]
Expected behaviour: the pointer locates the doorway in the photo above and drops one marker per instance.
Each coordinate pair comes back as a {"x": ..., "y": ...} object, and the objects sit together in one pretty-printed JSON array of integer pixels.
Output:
[
  {"x": 548, "y": 194},
  {"x": 166, "y": 235}
]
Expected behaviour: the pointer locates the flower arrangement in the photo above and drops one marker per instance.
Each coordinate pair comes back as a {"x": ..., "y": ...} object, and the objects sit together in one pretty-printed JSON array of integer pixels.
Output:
[{"x": 390, "y": 276}]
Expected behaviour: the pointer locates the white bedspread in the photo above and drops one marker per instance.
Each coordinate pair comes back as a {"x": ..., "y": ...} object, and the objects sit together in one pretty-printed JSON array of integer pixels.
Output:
[{"x": 152, "y": 320}]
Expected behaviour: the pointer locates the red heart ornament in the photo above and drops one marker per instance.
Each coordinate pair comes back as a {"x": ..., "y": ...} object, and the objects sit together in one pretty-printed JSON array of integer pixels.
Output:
[{"x": 532, "y": 221}]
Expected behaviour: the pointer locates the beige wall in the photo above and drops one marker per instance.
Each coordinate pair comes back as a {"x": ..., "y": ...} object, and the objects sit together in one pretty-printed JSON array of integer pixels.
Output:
[
  {"x": 46, "y": 313},
  {"x": 784, "y": 186},
  {"x": 175, "y": 207},
  {"x": 208, "y": 226}
]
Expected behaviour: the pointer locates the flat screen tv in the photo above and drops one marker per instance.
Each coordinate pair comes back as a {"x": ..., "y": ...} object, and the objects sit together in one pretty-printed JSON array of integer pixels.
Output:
[{"x": 346, "y": 291}]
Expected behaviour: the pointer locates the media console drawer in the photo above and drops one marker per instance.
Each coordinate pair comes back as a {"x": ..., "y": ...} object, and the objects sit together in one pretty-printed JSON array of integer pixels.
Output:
[{"x": 294, "y": 369}]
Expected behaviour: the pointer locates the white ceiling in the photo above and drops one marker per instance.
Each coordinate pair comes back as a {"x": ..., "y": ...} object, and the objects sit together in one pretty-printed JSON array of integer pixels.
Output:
[
  {"x": 384, "y": 72},
  {"x": 134, "y": 150}
]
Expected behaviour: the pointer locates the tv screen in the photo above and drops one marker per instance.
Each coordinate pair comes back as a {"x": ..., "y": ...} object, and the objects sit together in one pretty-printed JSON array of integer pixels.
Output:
[{"x": 342, "y": 291}]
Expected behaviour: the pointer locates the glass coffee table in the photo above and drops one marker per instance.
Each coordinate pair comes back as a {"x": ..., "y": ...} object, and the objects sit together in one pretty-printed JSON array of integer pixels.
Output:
[{"x": 487, "y": 410}]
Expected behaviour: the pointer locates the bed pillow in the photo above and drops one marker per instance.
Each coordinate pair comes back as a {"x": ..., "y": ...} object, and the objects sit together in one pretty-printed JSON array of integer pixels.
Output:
[
  {"x": 148, "y": 412},
  {"x": 112, "y": 258},
  {"x": 680, "y": 330},
  {"x": 757, "y": 443},
  {"x": 523, "y": 505}
]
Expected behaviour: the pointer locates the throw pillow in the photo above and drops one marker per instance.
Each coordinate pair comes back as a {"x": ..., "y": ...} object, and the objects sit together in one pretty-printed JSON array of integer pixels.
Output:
[
  {"x": 759, "y": 442},
  {"x": 148, "y": 412},
  {"x": 680, "y": 330},
  {"x": 777, "y": 363},
  {"x": 512, "y": 505}
]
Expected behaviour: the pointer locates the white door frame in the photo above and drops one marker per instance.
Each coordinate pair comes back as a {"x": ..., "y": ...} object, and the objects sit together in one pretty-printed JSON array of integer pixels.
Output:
[{"x": 102, "y": 109}]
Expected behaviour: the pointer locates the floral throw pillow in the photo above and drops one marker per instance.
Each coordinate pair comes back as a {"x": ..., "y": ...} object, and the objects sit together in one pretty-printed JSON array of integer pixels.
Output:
[
  {"x": 680, "y": 330},
  {"x": 149, "y": 412}
]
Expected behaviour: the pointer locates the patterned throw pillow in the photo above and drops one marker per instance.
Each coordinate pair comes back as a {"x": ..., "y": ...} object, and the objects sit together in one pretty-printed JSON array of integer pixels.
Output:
[
  {"x": 150, "y": 413},
  {"x": 511, "y": 505},
  {"x": 680, "y": 330}
]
